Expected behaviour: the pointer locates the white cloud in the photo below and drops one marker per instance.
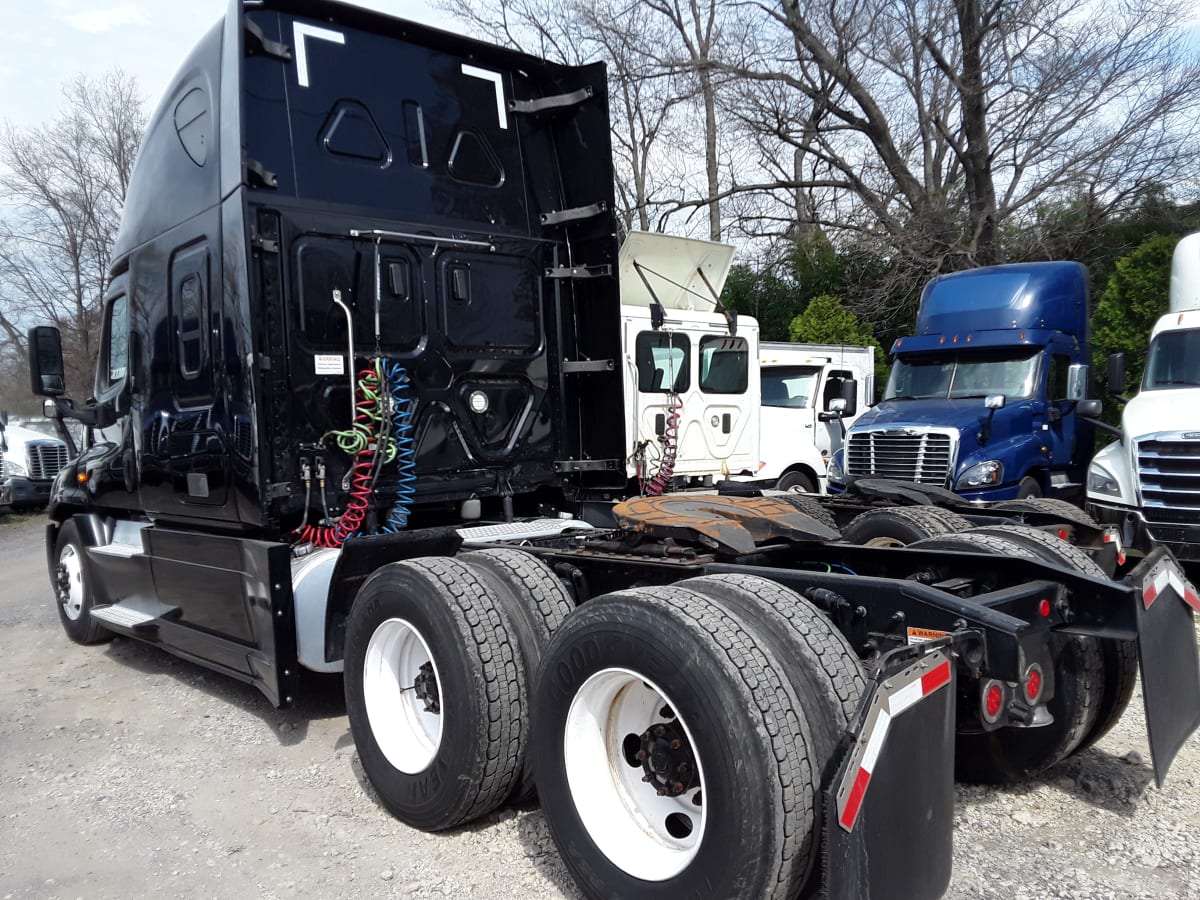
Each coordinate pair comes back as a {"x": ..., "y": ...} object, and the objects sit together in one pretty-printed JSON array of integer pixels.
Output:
[{"x": 98, "y": 21}]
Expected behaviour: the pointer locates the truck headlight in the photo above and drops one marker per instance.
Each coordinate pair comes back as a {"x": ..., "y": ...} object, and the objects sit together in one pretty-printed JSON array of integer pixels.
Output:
[
  {"x": 1102, "y": 481},
  {"x": 12, "y": 467},
  {"x": 989, "y": 471},
  {"x": 834, "y": 472}
]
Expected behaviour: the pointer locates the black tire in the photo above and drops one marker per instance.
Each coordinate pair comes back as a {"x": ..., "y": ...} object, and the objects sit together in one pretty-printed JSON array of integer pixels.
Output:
[
  {"x": 1009, "y": 755},
  {"x": 737, "y": 714},
  {"x": 1028, "y": 488},
  {"x": 536, "y": 602},
  {"x": 1051, "y": 506},
  {"x": 72, "y": 593},
  {"x": 1120, "y": 658},
  {"x": 810, "y": 506},
  {"x": 897, "y": 526},
  {"x": 821, "y": 662},
  {"x": 477, "y": 757},
  {"x": 794, "y": 479}
]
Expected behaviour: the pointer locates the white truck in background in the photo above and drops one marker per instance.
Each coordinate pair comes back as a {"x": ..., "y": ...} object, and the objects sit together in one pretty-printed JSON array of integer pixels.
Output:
[
  {"x": 29, "y": 461},
  {"x": 1148, "y": 482},
  {"x": 704, "y": 399},
  {"x": 798, "y": 434},
  {"x": 691, "y": 394}
]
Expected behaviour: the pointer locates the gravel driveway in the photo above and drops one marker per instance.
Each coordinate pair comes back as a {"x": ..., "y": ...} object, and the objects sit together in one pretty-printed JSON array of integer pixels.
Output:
[{"x": 126, "y": 772}]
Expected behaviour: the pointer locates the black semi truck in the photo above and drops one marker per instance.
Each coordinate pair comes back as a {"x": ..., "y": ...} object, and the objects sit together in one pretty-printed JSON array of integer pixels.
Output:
[{"x": 358, "y": 409}]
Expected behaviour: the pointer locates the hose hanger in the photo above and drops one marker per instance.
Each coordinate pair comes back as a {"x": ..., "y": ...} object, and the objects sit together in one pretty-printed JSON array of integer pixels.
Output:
[{"x": 337, "y": 299}]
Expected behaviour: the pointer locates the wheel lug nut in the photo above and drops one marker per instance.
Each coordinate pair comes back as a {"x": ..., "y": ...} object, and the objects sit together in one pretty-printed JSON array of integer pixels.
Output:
[
  {"x": 677, "y": 787},
  {"x": 647, "y": 778},
  {"x": 659, "y": 731},
  {"x": 676, "y": 744},
  {"x": 640, "y": 756}
]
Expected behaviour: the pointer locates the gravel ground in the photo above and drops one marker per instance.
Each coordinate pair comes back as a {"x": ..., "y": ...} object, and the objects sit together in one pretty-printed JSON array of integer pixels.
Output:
[{"x": 125, "y": 772}]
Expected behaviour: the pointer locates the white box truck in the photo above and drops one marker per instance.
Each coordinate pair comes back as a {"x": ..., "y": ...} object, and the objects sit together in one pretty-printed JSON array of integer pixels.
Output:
[
  {"x": 798, "y": 435},
  {"x": 1148, "y": 481}
]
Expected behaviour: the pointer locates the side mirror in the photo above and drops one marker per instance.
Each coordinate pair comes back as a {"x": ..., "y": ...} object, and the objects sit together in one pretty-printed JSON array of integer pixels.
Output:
[
  {"x": 1116, "y": 374},
  {"x": 845, "y": 390},
  {"x": 994, "y": 401},
  {"x": 46, "y": 373},
  {"x": 50, "y": 409},
  {"x": 1090, "y": 409},
  {"x": 1077, "y": 382}
]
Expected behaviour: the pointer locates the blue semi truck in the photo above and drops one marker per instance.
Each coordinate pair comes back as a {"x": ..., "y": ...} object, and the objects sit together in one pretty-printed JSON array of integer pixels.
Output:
[{"x": 983, "y": 398}]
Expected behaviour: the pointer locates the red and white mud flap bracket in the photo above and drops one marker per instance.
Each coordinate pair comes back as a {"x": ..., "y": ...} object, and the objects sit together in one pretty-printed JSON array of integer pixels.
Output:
[
  {"x": 1170, "y": 664},
  {"x": 889, "y": 805}
]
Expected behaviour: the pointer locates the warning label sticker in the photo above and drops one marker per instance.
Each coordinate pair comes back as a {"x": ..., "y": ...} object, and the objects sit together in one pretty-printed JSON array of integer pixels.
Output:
[
  {"x": 924, "y": 635},
  {"x": 329, "y": 364}
]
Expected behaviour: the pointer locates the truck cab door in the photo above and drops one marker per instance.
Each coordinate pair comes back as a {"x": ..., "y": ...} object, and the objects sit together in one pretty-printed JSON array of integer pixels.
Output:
[{"x": 1058, "y": 433}]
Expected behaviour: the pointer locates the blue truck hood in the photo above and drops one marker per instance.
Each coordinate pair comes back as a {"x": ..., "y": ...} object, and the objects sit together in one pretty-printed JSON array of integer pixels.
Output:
[
  {"x": 1012, "y": 427},
  {"x": 965, "y": 415}
]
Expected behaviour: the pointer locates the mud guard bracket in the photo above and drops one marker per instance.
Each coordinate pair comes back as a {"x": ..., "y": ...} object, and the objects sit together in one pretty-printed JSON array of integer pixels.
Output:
[{"x": 889, "y": 805}]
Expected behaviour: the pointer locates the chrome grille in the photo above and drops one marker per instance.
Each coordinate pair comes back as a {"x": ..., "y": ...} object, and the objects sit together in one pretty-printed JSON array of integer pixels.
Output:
[
  {"x": 1169, "y": 477},
  {"x": 921, "y": 456},
  {"x": 45, "y": 458}
]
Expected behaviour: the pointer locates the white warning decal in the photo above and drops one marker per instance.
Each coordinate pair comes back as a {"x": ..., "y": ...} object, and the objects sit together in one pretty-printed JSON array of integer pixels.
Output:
[{"x": 329, "y": 364}]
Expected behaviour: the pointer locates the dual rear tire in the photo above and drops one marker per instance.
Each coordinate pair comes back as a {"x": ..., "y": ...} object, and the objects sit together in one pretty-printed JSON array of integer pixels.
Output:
[{"x": 680, "y": 733}]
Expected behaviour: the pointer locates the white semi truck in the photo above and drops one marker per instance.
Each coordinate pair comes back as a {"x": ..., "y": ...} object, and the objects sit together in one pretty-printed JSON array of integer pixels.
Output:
[
  {"x": 703, "y": 398},
  {"x": 1148, "y": 482}
]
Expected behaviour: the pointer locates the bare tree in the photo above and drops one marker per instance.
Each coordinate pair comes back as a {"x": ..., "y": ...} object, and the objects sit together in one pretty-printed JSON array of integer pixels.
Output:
[
  {"x": 928, "y": 127},
  {"x": 63, "y": 189}
]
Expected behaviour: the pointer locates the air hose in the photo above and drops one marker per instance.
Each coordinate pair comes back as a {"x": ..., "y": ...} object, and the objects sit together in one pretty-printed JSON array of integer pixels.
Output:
[
  {"x": 404, "y": 449},
  {"x": 366, "y": 440},
  {"x": 670, "y": 449}
]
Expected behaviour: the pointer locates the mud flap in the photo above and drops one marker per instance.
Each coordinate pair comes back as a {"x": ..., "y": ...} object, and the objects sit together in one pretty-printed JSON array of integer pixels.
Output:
[
  {"x": 889, "y": 807},
  {"x": 1169, "y": 660}
]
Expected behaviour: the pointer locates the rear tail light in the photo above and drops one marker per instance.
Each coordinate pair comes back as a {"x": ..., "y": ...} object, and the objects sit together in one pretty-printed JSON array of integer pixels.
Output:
[
  {"x": 991, "y": 700},
  {"x": 1031, "y": 686}
]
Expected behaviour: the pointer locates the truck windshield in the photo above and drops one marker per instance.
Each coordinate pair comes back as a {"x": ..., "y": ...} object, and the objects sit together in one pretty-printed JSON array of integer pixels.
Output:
[
  {"x": 789, "y": 387},
  {"x": 975, "y": 374},
  {"x": 1173, "y": 361}
]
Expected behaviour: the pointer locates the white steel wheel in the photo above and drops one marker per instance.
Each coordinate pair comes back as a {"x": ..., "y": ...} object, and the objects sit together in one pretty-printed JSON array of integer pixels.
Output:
[
  {"x": 70, "y": 582},
  {"x": 402, "y": 696},
  {"x": 634, "y": 776}
]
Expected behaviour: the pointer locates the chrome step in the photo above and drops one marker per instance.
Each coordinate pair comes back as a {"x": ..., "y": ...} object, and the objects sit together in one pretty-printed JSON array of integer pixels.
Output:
[
  {"x": 530, "y": 530},
  {"x": 132, "y": 618}
]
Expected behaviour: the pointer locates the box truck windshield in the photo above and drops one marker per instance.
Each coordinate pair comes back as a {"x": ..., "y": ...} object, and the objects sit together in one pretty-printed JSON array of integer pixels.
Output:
[{"x": 975, "y": 374}]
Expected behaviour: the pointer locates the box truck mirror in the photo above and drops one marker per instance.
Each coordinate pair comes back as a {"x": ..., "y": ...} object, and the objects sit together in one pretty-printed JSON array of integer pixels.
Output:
[{"x": 994, "y": 402}]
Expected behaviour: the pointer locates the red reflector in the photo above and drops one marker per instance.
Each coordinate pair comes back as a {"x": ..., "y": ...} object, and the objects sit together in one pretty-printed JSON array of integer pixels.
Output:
[
  {"x": 934, "y": 679},
  {"x": 992, "y": 701},
  {"x": 1044, "y": 609},
  {"x": 1062, "y": 533},
  {"x": 854, "y": 801},
  {"x": 1033, "y": 685}
]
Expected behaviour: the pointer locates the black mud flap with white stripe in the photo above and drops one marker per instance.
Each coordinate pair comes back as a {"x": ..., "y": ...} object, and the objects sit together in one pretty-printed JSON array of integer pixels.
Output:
[
  {"x": 1167, "y": 650},
  {"x": 889, "y": 806}
]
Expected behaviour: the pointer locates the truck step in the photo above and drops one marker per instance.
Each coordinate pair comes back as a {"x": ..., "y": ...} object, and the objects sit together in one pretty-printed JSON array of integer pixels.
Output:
[
  {"x": 132, "y": 618},
  {"x": 520, "y": 531}
]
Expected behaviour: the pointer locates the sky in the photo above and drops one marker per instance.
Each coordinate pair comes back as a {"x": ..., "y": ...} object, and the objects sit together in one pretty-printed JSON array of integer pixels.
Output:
[{"x": 44, "y": 44}]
